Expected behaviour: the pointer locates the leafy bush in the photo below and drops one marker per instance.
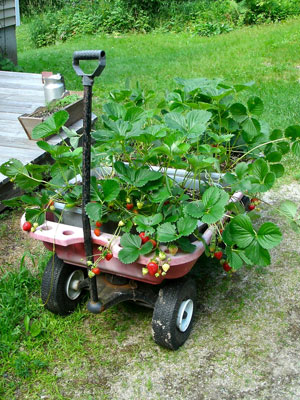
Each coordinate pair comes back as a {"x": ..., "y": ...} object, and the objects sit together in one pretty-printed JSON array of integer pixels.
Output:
[
  {"x": 269, "y": 10},
  {"x": 203, "y": 17},
  {"x": 7, "y": 65}
]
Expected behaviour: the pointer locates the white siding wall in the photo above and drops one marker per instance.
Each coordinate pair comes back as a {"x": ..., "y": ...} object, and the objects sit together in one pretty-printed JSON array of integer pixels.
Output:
[{"x": 7, "y": 13}]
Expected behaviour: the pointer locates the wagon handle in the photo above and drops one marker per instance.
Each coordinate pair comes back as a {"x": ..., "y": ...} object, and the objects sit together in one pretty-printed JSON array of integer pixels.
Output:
[
  {"x": 89, "y": 55},
  {"x": 94, "y": 305}
]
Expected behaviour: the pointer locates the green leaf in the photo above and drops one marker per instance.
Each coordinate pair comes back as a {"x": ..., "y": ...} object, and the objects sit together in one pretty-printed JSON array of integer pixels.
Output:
[
  {"x": 242, "y": 231},
  {"x": 34, "y": 201},
  {"x": 185, "y": 245},
  {"x": 255, "y": 105},
  {"x": 146, "y": 248},
  {"x": 166, "y": 232},
  {"x": 277, "y": 169},
  {"x": 130, "y": 240},
  {"x": 195, "y": 209},
  {"x": 161, "y": 195},
  {"x": 289, "y": 208},
  {"x": 35, "y": 328},
  {"x": 12, "y": 168},
  {"x": 111, "y": 189},
  {"x": 145, "y": 175},
  {"x": 214, "y": 214},
  {"x": 176, "y": 121},
  {"x": 241, "y": 169},
  {"x": 269, "y": 235},
  {"x": 293, "y": 132},
  {"x": 251, "y": 127},
  {"x": 94, "y": 211},
  {"x": 128, "y": 255},
  {"x": 276, "y": 134},
  {"x": 234, "y": 259},
  {"x": 283, "y": 147},
  {"x": 197, "y": 120},
  {"x": 274, "y": 156},
  {"x": 35, "y": 215},
  {"x": 51, "y": 125},
  {"x": 186, "y": 226},
  {"x": 260, "y": 169},
  {"x": 238, "y": 111},
  {"x": 296, "y": 148},
  {"x": 258, "y": 255}
]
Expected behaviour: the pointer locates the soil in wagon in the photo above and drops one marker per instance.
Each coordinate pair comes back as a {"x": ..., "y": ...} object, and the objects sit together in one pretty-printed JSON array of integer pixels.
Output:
[{"x": 245, "y": 343}]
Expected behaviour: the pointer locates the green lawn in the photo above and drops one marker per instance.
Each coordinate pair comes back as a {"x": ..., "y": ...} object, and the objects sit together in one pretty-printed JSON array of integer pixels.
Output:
[
  {"x": 269, "y": 55},
  {"x": 80, "y": 356}
]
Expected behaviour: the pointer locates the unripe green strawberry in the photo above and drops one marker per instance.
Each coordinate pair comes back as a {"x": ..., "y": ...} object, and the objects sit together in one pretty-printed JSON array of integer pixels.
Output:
[
  {"x": 35, "y": 225},
  {"x": 139, "y": 205},
  {"x": 166, "y": 267},
  {"x": 128, "y": 200},
  {"x": 164, "y": 273},
  {"x": 162, "y": 256},
  {"x": 144, "y": 271},
  {"x": 91, "y": 274},
  {"x": 32, "y": 229},
  {"x": 121, "y": 223},
  {"x": 173, "y": 249},
  {"x": 156, "y": 275}
]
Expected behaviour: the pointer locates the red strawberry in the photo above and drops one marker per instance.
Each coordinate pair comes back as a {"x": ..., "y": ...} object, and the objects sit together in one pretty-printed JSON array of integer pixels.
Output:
[
  {"x": 108, "y": 256},
  {"x": 218, "y": 255},
  {"x": 98, "y": 224},
  {"x": 226, "y": 266},
  {"x": 152, "y": 268},
  {"x": 251, "y": 207},
  {"x": 97, "y": 232},
  {"x": 254, "y": 200},
  {"x": 26, "y": 226},
  {"x": 143, "y": 237},
  {"x": 129, "y": 206},
  {"x": 96, "y": 270},
  {"x": 154, "y": 244}
]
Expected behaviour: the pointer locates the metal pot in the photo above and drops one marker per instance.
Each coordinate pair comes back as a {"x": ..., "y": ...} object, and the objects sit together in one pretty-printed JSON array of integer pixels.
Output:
[{"x": 54, "y": 87}]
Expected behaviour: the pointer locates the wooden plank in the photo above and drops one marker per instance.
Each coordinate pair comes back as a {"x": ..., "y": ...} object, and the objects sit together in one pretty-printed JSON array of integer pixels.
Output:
[
  {"x": 8, "y": 116},
  {"x": 22, "y": 84},
  {"x": 17, "y": 91},
  {"x": 20, "y": 75}
]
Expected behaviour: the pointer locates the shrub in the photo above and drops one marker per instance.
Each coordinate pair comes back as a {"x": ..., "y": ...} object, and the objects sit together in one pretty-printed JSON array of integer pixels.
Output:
[{"x": 203, "y": 17}]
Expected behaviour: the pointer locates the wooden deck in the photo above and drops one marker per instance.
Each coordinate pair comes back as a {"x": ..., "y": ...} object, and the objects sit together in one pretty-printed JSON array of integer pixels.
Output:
[{"x": 20, "y": 93}]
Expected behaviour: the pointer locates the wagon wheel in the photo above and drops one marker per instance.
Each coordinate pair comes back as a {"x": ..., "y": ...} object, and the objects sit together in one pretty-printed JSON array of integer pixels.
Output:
[
  {"x": 59, "y": 291},
  {"x": 173, "y": 314}
]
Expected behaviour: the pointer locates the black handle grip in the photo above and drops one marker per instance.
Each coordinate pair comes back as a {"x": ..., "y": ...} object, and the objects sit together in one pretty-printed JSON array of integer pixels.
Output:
[{"x": 89, "y": 55}]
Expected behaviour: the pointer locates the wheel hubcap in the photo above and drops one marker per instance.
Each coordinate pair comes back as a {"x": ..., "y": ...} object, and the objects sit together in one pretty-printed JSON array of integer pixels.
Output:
[
  {"x": 72, "y": 284},
  {"x": 185, "y": 314}
]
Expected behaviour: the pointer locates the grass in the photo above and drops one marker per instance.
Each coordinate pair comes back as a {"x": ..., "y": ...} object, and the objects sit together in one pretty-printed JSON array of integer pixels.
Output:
[
  {"x": 80, "y": 356},
  {"x": 268, "y": 54}
]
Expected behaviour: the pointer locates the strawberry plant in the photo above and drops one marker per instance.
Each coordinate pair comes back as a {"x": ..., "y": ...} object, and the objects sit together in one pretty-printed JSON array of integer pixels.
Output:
[{"x": 161, "y": 174}]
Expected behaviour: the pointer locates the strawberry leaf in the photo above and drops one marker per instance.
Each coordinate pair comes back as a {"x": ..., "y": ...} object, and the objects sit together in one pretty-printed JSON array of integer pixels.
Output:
[
  {"x": 269, "y": 235},
  {"x": 242, "y": 231},
  {"x": 166, "y": 233},
  {"x": 257, "y": 254},
  {"x": 186, "y": 226},
  {"x": 94, "y": 211},
  {"x": 131, "y": 241},
  {"x": 128, "y": 255}
]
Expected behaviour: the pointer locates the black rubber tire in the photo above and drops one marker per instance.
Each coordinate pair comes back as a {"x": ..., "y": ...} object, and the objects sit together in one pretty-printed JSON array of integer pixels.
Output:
[
  {"x": 164, "y": 328},
  {"x": 53, "y": 291}
]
